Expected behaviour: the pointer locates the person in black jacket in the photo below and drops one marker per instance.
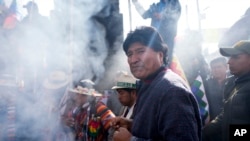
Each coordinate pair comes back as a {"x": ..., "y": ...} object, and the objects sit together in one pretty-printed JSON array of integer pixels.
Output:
[
  {"x": 236, "y": 93},
  {"x": 165, "y": 107},
  {"x": 215, "y": 85}
]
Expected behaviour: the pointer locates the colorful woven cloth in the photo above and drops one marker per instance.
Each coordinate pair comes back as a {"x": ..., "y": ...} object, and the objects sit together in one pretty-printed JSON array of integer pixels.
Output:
[{"x": 200, "y": 95}]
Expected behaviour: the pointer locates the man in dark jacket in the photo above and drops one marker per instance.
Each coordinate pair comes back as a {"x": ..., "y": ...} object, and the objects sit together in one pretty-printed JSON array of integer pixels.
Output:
[
  {"x": 165, "y": 107},
  {"x": 236, "y": 93},
  {"x": 215, "y": 85}
]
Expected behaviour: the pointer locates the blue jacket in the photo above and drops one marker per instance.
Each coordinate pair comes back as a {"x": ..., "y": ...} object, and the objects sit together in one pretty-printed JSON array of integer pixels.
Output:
[{"x": 170, "y": 11}]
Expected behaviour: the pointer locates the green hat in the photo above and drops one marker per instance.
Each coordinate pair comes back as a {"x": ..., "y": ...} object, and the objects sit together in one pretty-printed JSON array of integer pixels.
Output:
[{"x": 124, "y": 81}]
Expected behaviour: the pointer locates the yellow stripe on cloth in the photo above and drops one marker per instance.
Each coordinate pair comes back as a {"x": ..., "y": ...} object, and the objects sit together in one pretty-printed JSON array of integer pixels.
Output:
[{"x": 177, "y": 68}]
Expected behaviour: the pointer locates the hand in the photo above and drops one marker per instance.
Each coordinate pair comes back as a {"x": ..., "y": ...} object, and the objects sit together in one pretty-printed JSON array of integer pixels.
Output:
[
  {"x": 118, "y": 122},
  {"x": 134, "y": 0},
  {"x": 68, "y": 121},
  {"x": 122, "y": 134}
]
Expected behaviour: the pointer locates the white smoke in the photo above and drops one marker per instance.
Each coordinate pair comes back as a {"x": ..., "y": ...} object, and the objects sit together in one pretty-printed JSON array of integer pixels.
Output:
[{"x": 72, "y": 40}]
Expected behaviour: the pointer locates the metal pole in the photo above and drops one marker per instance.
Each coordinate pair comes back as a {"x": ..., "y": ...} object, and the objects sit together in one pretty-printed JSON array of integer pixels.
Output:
[
  {"x": 71, "y": 45},
  {"x": 199, "y": 15},
  {"x": 187, "y": 17},
  {"x": 130, "y": 15}
]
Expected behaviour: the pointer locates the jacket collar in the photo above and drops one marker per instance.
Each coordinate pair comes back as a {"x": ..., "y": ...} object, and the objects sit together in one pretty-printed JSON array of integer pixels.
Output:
[
  {"x": 151, "y": 77},
  {"x": 242, "y": 78}
]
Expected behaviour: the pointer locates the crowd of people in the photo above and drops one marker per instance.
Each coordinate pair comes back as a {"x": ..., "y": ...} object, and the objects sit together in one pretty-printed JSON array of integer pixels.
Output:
[{"x": 150, "y": 102}]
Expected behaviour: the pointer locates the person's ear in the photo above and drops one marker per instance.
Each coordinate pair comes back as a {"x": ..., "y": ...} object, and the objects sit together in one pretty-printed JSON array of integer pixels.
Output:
[
  {"x": 161, "y": 56},
  {"x": 134, "y": 92}
]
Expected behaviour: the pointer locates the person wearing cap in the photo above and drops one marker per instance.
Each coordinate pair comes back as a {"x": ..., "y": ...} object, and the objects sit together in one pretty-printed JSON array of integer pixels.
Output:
[
  {"x": 31, "y": 7},
  {"x": 32, "y": 11},
  {"x": 236, "y": 109},
  {"x": 125, "y": 86},
  {"x": 33, "y": 16},
  {"x": 165, "y": 107},
  {"x": 91, "y": 117}
]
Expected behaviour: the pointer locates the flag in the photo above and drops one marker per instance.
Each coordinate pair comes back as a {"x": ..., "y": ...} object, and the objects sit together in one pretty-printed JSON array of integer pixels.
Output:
[
  {"x": 176, "y": 67},
  {"x": 199, "y": 92},
  {"x": 11, "y": 20}
]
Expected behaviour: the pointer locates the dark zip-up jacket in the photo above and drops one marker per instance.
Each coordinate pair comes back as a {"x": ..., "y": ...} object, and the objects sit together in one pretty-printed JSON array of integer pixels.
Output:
[{"x": 236, "y": 109}]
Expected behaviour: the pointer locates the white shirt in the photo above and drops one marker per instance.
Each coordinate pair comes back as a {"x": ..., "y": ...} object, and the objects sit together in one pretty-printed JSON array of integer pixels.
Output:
[{"x": 130, "y": 112}]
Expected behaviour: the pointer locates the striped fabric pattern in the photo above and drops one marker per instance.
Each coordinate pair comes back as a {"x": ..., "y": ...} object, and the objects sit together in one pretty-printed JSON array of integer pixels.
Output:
[
  {"x": 105, "y": 114},
  {"x": 200, "y": 95},
  {"x": 11, "y": 115},
  {"x": 177, "y": 68}
]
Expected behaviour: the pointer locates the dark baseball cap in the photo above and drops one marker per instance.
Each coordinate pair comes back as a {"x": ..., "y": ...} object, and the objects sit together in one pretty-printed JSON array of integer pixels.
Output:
[{"x": 238, "y": 48}]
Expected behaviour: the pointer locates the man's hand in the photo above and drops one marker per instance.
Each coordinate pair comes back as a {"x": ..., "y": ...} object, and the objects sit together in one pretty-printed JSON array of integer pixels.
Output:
[
  {"x": 118, "y": 122},
  {"x": 122, "y": 134},
  {"x": 68, "y": 121}
]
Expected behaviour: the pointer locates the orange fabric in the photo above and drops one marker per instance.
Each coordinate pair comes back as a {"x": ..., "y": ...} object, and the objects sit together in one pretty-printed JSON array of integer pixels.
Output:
[
  {"x": 176, "y": 67},
  {"x": 106, "y": 116}
]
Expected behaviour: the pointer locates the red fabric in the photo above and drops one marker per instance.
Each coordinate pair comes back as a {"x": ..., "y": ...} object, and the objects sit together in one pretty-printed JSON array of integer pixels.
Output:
[{"x": 10, "y": 22}]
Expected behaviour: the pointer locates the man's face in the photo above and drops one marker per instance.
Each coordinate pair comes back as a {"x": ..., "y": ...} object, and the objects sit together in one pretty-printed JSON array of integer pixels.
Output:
[
  {"x": 218, "y": 70},
  {"x": 143, "y": 61},
  {"x": 81, "y": 99},
  {"x": 239, "y": 64},
  {"x": 126, "y": 98}
]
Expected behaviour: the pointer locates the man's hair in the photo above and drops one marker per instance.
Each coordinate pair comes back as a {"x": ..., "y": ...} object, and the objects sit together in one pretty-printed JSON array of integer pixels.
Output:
[
  {"x": 222, "y": 60},
  {"x": 149, "y": 37}
]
